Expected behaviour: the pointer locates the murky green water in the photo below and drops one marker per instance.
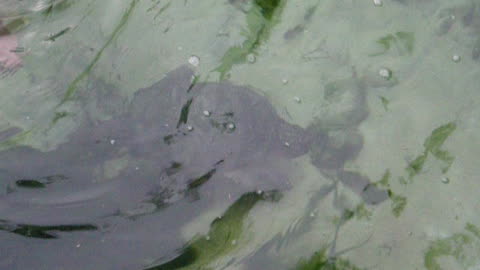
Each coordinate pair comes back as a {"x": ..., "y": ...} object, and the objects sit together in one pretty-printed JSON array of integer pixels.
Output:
[{"x": 239, "y": 134}]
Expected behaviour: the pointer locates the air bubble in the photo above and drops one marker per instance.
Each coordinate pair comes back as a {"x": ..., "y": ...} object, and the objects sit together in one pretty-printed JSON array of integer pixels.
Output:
[
  {"x": 194, "y": 60},
  {"x": 297, "y": 99},
  {"x": 189, "y": 128},
  {"x": 377, "y": 3},
  {"x": 385, "y": 73},
  {"x": 251, "y": 58},
  {"x": 206, "y": 113},
  {"x": 231, "y": 127},
  {"x": 456, "y": 58}
]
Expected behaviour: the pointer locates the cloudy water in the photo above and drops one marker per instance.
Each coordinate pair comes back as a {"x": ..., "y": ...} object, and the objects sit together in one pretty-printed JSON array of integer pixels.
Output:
[{"x": 239, "y": 134}]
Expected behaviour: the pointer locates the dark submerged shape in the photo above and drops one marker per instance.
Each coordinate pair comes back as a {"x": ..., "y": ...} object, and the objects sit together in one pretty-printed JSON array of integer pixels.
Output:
[
  {"x": 180, "y": 148},
  {"x": 161, "y": 163}
]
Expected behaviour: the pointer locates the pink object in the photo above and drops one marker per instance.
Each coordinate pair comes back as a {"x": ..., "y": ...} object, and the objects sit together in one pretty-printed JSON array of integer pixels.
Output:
[{"x": 9, "y": 60}]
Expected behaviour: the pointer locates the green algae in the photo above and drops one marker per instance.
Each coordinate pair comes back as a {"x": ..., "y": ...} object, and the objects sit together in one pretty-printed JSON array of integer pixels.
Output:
[
  {"x": 73, "y": 86},
  {"x": 361, "y": 212},
  {"x": 58, "y": 116},
  {"x": 398, "y": 203},
  {"x": 416, "y": 166},
  {"x": 261, "y": 18},
  {"x": 385, "y": 102},
  {"x": 18, "y": 139},
  {"x": 384, "y": 181},
  {"x": 402, "y": 41},
  {"x": 463, "y": 247},
  {"x": 222, "y": 238},
  {"x": 433, "y": 146},
  {"x": 321, "y": 261}
]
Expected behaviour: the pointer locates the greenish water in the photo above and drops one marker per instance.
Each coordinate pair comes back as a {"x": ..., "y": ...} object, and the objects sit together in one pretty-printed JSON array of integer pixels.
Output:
[{"x": 390, "y": 92}]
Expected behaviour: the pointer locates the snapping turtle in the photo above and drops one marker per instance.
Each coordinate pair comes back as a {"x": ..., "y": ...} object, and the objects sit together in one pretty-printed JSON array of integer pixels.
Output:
[{"x": 177, "y": 141}]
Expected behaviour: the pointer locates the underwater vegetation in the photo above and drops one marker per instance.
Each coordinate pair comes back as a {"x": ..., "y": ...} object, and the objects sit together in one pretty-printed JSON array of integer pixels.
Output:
[
  {"x": 462, "y": 247},
  {"x": 321, "y": 261},
  {"x": 224, "y": 235},
  {"x": 261, "y": 18},
  {"x": 433, "y": 146},
  {"x": 73, "y": 86},
  {"x": 43, "y": 232},
  {"x": 402, "y": 41}
]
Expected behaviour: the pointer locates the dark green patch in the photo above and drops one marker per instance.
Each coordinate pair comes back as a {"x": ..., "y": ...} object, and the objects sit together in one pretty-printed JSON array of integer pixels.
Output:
[
  {"x": 361, "y": 212},
  {"x": 398, "y": 203},
  {"x": 193, "y": 83},
  {"x": 222, "y": 238},
  {"x": 385, "y": 102},
  {"x": 415, "y": 167},
  {"x": 184, "y": 113},
  {"x": 261, "y": 18},
  {"x": 403, "y": 41},
  {"x": 174, "y": 168},
  {"x": 433, "y": 146},
  {"x": 58, "y": 116},
  {"x": 384, "y": 182},
  {"x": 463, "y": 247},
  {"x": 62, "y": 32},
  {"x": 40, "y": 182},
  {"x": 29, "y": 183},
  {"x": 268, "y": 7},
  {"x": 320, "y": 261},
  {"x": 201, "y": 180},
  {"x": 169, "y": 139},
  {"x": 43, "y": 232}
]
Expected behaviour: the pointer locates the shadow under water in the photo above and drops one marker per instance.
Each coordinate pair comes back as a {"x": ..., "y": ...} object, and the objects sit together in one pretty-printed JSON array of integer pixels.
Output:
[{"x": 118, "y": 193}]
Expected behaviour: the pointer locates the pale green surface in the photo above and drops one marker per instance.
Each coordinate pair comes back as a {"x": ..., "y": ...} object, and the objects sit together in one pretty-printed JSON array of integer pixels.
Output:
[{"x": 135, "y": 42}]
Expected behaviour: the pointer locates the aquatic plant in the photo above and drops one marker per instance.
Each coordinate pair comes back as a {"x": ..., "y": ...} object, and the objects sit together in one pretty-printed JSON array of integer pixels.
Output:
[
  {"x": 261, "y": 18},
  {"x": 72, "y": 88},
  {"x": 321, "y": 261},
  {"x": 433, "y": 146},
  {"x": 43, "y": 232},
  {"x": 223, "y": 236},
  {"x": 463, "y": 247},
  {"x": 403, "y": 41}
]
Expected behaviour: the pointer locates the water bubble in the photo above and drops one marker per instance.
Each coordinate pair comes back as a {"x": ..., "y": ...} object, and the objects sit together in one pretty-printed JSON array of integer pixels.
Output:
[
  {"x": 385, "y": 73},
  {"x": 194, "y": 60},
  {"x": 231, "y": 127},
  {"x": 377, "y": 3},
  {"x": 189, "y": 128},
  {"x": 284, "y": 81},
  {"x": 206, "y": 113},
  {"x": 297, "y": 99},
  {"x": 112, "y": 142},
  {"x": 445, "y": 180},
  {"x": 456, "y": 58},
  {"x": 78, "y": 245},
  {"x": 251, "y": 58}
]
